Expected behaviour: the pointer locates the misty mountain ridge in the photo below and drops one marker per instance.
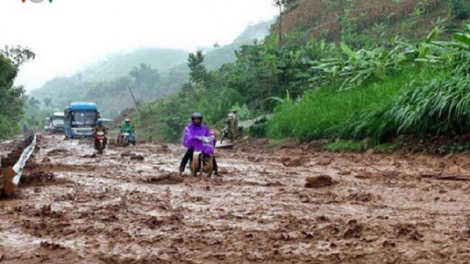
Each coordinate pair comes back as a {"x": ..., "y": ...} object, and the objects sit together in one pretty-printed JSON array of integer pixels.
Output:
[{"x": 106, "y": 81}]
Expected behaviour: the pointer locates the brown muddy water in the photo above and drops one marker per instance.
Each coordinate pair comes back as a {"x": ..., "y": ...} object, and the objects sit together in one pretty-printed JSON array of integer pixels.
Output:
[{"x": 76, "y": 207}]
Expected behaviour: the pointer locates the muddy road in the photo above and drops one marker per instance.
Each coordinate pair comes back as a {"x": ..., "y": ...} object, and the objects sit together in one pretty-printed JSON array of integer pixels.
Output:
[{"x": 130, "y": 206}]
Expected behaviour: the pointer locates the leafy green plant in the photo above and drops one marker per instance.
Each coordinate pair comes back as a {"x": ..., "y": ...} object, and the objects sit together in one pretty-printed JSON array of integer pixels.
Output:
[{"x": 360, "y": 67}]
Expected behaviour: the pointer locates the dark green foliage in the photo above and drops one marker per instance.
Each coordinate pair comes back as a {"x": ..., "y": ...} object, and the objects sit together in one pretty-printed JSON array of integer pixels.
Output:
[
  {"x": 198, "y": 73},
  {"x": 258, "y": 129},
  {"x": 11, "y": 103},
  {"x": 460, "y": 9}
]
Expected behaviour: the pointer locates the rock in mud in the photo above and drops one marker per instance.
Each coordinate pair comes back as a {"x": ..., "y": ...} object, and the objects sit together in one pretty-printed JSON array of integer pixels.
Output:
[
  {"x": 52, "y": 246},
  {"x": 255, "y": 159},
  {"x": 137, "y": 157},
  {"x": 318, "y": 181},
  {"x": 364, "y": 175},
  {"x": 56, "y": 152},
  {"x": 344, "y": 172},
  {"x": 288, "y": 162},
  {"x": 126, "y": 154},
  {"x": 324, "y": 161},
  {"x": 163, "y": 149},
  {"x": 164, "y": 179},
  {"x": 37, "y": 177}
]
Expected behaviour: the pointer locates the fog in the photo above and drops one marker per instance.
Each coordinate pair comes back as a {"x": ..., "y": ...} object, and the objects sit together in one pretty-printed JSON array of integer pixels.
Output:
[{"x": 68, "y": 34}]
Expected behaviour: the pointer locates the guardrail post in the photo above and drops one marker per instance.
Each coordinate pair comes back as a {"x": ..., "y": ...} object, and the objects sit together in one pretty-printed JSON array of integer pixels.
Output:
[
  {"x": 7, "y": 174},
  {"x": 5, "y": 162}
]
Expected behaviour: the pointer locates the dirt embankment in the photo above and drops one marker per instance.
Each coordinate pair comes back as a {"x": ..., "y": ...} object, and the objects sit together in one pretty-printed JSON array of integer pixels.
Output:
[{"x": 294, "y": 204}]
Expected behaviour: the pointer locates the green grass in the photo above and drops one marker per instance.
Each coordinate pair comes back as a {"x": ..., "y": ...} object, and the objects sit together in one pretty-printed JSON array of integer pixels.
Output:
[
  {"x": 352, "y": 114},
  {"x": 347, "y": 145},
  {"x": 438, "y": 106}
]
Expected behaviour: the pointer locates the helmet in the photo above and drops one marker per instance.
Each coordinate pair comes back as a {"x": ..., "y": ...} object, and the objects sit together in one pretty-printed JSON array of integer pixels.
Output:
[
  {"x": 196, "y": 115},
  {"x": 127, "y": 120},
  {"x": 100, "y": 122},
  {"x": 234, "y": 110}
]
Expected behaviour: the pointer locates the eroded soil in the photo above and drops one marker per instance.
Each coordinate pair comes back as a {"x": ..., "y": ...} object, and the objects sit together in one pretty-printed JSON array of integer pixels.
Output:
[{"x": 289, "y": 205}]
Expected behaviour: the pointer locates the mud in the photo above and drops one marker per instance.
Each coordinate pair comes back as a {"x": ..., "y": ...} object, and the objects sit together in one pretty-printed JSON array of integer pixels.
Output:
[{"x": 78, "y": 207}]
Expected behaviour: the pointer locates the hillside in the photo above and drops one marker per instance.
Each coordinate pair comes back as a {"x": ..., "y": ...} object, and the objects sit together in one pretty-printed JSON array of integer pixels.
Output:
[
  {"x": 338, "y": 20},
  {"x": 106, "y": 82},
  {"x": 216, "y": 57}
]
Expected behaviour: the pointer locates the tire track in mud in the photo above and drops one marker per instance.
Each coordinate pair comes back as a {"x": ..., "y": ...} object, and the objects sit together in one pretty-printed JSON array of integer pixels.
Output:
[{"x": 111, "y": 209}]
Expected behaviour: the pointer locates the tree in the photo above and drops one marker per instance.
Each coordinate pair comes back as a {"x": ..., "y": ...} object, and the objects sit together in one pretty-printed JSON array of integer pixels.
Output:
[
  {"x": 145, "y": 75},
  {"x": 198, "y": 72},
  {"x": 11, "y": 98},
  {"x": 32, "y": 101},
  {"x": 146, "y": 78},
  {"x": 18, "y": 54},
  {"x": 47, "y": 102},
  {"x": 280, "y": 4}
]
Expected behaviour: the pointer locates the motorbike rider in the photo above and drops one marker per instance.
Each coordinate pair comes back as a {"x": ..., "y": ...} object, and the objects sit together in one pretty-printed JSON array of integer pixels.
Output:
[
  {"x": 235, "y": 116},
  {"x": 194, "y": 129},
  {"x": 99, "y": 127},
  {"x": 232, "y": 125},
  {"x": 127, "y": 127}
]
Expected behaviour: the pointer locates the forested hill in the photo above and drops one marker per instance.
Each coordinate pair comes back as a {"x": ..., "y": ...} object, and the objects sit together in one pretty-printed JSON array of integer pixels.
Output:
[
  {"x": 120, "y": 64},
  {"x": 152, "y": 73},
  {"x": 106, "y": 82}
]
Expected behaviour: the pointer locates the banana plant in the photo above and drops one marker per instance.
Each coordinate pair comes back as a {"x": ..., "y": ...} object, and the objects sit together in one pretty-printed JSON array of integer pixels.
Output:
[{"x": 446, "y": 51}]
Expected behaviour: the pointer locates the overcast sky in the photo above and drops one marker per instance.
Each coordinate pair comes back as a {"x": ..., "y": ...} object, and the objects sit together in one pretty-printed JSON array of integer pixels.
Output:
[{"x": 67, "y": 34}]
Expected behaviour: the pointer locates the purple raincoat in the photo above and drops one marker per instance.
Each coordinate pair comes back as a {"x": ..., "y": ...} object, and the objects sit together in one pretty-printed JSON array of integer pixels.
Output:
[{"x": 191, "y": 139}]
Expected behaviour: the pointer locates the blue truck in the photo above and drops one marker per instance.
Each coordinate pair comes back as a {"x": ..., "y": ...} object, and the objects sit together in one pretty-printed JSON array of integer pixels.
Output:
[{"x": 80, "y": 118}]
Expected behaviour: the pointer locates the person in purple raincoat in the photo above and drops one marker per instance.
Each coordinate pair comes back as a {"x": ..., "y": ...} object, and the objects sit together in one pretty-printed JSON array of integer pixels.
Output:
[{"x": 191, "y": 141}]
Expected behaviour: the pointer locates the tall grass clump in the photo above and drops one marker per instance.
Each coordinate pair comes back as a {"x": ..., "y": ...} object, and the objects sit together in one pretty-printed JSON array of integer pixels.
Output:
[
  {"x": 440, "y": 106},
  {"x": 351, "y": 114}
]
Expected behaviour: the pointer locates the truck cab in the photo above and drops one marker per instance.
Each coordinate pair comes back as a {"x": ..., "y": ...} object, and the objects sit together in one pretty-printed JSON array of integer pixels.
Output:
[{"x": 57, "y": 122}]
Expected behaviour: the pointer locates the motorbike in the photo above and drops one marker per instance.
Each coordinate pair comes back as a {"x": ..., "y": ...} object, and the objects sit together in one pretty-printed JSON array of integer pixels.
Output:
[
  {"x": 101, "y": 138},
  {"x": 203, "y": 159},
  {"x": 238, "y": 135},
  {"x": 126, "y": 138}
]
